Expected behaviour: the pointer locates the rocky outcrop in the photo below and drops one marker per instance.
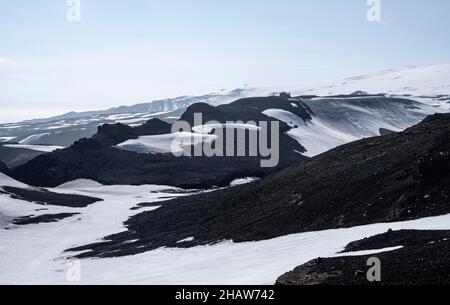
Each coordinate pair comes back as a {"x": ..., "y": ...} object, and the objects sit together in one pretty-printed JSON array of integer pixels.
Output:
[
  {"x": 423, "y": 260},
  {"x": 45, "y": 197}
]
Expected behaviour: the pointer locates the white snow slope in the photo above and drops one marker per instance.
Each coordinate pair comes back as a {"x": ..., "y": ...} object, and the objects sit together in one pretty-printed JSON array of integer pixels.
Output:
[
  {"x": 338, "y": 121},
  {"x": 34, "y": 254},
  {"x": 415, "y": 81}
]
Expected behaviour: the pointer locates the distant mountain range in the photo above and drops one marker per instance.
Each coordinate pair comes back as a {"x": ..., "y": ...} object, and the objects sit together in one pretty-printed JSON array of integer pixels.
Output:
[
  {"x": 159, "y": 106},
  {"x": 428, "y": 85},
  {"x": 345, "y": 111},
  {"x": 65, "y": 129}
]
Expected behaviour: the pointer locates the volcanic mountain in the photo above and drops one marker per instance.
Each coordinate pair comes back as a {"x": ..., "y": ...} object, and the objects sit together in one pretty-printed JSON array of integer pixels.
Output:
[{"x": 109, "y": 158}]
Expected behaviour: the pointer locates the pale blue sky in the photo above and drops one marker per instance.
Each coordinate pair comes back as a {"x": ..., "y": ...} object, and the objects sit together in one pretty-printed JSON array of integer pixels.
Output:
[{"x": 125, "y": 52}]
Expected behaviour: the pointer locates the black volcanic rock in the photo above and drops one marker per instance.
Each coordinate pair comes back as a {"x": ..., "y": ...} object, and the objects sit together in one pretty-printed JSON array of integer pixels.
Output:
[
  {"x": 357, "y": 94},
  {"x": 285, "y": 95},
  {"x": 3, "y": 168},
  {"x": 13, "y": 157},
  {"x": 385, "y": 132},
  {"x": 248, "y": 109},
  {"x": 402, "y": 176},
  {"x": 113, "y": 134},
  {"x": 97, "y": 158},
  {"x": 405, "y": 238},
  {"x": 423, "y": 260},
  {"x": 153, "y": 127},
  {"x": 46, "y": 197},
  {"x": 47, "y": 218}
]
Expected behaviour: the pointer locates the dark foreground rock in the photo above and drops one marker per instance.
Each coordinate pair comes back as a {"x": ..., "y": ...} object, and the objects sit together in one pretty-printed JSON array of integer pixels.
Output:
[
  {"x": 406, "y": 238},
  {"x": 48, "y": 218},
  {"x": 423, "y": 260},
  {"x": 397, "y": 177},
  {"x": 44, "y": 197}
]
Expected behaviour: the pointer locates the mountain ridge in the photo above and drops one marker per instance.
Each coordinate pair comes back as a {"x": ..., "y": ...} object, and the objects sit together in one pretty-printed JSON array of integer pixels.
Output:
[{"x": 99, "y": 159}]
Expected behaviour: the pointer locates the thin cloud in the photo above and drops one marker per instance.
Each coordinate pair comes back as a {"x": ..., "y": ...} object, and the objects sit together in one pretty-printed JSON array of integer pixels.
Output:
[
  {"x": 24, "y": 77},
  {"x": 5, "y": 60}
]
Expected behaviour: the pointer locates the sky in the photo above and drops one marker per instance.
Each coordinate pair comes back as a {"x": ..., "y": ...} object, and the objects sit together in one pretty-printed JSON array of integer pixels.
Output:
[{"x": 127, "y": 52}]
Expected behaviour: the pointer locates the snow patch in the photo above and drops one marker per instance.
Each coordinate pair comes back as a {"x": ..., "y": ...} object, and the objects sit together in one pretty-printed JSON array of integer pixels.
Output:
[
  {"x": 79, "y": 184},
  {"x": 368, "y": 252},
  {"x": 6, "y": 139},
  {"x": 287, "y": 117},
  {"x": 317, "y": 137},
  {"x": 165, "y": 144},
  {"x": 33, "y": 139},
  {"x": 186, "y": 240},
  {"x": 242, "y": 181},
  {"x": 41, "y": 148}
]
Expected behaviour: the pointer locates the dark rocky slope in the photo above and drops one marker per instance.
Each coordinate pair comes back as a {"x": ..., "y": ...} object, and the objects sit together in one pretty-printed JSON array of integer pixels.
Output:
[
  {"x": 383, "y": 179},
  {"x": 97, "y": 159},
  {"x": 3, "y": 168},
  {"x": 45, "y": 197},
  {"x": 405, "y": 238},
  {"x": 14, "y": 157},
  {"x": 423, "y": 260}
]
